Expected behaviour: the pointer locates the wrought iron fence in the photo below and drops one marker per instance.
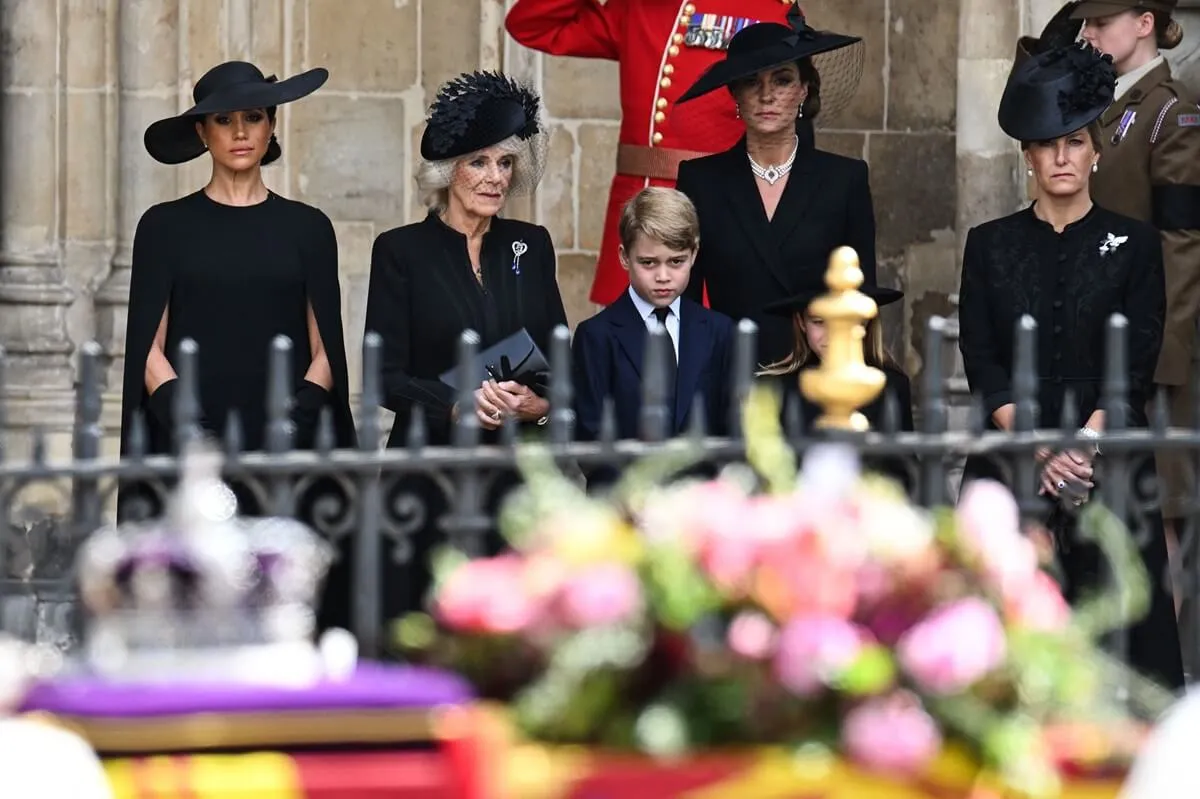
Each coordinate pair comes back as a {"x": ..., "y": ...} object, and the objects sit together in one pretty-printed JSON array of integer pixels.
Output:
[{"x": 367, "y": 502}]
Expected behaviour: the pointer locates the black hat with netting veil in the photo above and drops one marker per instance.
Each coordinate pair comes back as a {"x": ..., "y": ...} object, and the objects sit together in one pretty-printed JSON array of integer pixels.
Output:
[
  {"x": 838, "y": 59},
  {"x": 232, "y": 86},
  {"x": 799, "y": 302},
  {"x": 1057, "y": 92},
  {"x": 478, "y": 110}
]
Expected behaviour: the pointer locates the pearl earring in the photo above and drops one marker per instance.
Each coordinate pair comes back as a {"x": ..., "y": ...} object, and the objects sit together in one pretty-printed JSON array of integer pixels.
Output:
[
  {"x": 737, "y": 111},
  {"x": 1095, "y": 167},
  {"x": 800, "y": 113},
  {"x": 1029, "y": 172}
]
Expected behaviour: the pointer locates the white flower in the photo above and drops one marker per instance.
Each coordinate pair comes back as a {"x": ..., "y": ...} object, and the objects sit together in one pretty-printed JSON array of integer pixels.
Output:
[{"x": 1111, "y": 243}]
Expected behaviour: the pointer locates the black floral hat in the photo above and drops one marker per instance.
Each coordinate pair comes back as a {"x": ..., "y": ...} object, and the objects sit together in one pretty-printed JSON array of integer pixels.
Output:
[
  {"x": 1057, "y": 92},
  {"x": 228, "y": 87},
  {"x": 477, "y": 110},
  {"x": 766, "y": 45}
]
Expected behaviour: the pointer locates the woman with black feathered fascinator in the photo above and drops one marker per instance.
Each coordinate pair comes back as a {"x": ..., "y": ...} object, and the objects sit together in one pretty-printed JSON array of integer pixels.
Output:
[
  {"x": 465, "y": 267},
  {"x": 1070, "y": 265}
]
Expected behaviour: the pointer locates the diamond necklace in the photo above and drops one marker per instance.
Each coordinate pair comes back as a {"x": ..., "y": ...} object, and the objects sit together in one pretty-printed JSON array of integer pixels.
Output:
[{"x": 772, "y": 174}]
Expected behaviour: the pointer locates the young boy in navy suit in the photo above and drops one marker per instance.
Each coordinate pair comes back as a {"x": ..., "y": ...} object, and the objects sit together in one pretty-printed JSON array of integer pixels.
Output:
[{"x": 659, "y": 237}]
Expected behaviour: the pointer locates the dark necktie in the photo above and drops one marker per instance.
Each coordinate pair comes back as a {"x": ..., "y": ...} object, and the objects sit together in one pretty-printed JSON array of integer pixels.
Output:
[{"x": 672, "y": 362}]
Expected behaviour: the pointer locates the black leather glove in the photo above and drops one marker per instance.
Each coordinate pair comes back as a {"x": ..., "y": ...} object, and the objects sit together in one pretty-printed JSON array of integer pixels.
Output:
[
  {"x": 161, "y": 405},
  {"x": 307, "y": 403}
]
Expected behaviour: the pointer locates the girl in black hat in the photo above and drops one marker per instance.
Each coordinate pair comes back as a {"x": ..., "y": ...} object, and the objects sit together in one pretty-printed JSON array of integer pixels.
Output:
[
  {"x": 773, "y": 207},
  {"x": 1070, "y": 264},
  {"x": 232, "y": 266},
  {"x": 465, "y": 267},
  {"x": 808, "y": 347}
]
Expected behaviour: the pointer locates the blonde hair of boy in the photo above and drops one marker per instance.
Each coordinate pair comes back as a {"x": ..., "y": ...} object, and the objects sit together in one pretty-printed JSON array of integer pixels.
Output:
[{"x": 663, "y": 215}]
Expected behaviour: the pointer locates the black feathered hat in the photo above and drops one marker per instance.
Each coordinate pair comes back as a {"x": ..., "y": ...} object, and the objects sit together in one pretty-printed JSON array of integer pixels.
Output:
[
  {"x": 477, "y": 110},
  {"x": 228, "y": 87},
  {"x": 766, "y": 45},
  {"x": 1057, "y": 92}
]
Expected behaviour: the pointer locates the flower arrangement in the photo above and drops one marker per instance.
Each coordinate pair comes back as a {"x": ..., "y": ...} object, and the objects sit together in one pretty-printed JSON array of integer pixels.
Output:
[{"x": 768, "y": 606}]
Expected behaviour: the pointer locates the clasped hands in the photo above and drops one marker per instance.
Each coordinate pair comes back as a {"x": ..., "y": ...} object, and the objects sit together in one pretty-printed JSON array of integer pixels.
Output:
[
  {"x": 496, "y": 402},
  {"x": 1064, "y": 469}
]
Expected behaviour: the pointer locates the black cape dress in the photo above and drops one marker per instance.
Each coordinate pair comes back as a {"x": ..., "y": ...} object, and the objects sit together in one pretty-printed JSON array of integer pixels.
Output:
[{"x": 232, "y": 278}]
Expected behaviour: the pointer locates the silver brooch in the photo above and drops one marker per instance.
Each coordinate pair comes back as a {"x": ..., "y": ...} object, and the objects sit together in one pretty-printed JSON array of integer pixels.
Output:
[
  {"x": 1111, "y": 243},
  {"x": 519, "y": 248}
]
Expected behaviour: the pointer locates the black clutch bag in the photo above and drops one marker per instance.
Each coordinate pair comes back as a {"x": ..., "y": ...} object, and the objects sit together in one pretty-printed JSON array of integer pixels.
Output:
[{"x": 516, "y": 358}]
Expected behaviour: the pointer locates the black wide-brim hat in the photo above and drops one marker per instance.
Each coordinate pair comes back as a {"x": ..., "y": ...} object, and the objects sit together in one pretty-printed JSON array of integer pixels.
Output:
[
  {"x": 1056, "y": 93},
  {"x": 478, "y": 110},
  {"x": 232, "y": 86},
  {"x": 798, "y": 303},
  {"x": 1089, "y": 9},
  {"x": 766, "y": 45}
]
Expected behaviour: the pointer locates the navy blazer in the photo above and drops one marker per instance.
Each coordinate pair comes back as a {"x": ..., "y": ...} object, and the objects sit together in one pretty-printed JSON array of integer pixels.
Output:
[{"x": 607, "y": 362}]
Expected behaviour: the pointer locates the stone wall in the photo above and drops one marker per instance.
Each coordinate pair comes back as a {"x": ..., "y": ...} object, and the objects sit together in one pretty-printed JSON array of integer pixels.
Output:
[{"x": 84, "y": 77}]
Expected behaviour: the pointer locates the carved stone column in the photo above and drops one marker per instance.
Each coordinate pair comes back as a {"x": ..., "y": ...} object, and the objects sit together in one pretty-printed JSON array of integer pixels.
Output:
[
  {"x": 148, "y": 69},
  {"x": 33, "y": 290}
]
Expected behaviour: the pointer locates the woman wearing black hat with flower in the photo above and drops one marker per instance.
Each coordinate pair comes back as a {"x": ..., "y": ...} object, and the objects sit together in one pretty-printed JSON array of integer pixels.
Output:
[
  {"x": 232, "y": 266},
  {"x": 465, "y": 267},
  {"x": 773, "y": 207},
  {"x": 1070, "y": 264}
]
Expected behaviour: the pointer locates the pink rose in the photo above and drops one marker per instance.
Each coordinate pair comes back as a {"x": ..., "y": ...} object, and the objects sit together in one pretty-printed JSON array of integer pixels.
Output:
[
  {"x": 752, "y": 635},
  {"x": 954, "y": 647},
  {"x": 1041, "y": 606},
  {"x": 891, "y": 734},
  {"x": 990, "y": 528},
  {"x": 693, "y": 513},
  {"x": 600, "y": 595},
  {"x": 814, "y": 650},
  {"x": 486, "y": 595}
]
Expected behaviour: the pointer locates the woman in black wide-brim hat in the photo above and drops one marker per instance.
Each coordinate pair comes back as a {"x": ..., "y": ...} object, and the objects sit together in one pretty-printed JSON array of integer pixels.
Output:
[
  {"x": 773, "y": 207},
  {"x": 465, "y": 267},
  {"x": 232, "y": 266},
  {"x": 1070, "y": 264}
]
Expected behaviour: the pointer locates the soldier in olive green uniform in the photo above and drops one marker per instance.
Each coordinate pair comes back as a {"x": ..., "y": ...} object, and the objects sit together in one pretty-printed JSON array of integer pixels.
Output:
[{"x": 1149, "y": 170}]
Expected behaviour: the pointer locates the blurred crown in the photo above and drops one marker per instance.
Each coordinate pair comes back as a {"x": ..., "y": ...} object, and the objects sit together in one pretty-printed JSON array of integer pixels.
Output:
[{"x": 203, "y": 591}]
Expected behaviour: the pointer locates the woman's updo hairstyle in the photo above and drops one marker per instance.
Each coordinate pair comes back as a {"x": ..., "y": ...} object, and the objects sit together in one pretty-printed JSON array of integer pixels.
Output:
[{"x": 1167, "y": 32}]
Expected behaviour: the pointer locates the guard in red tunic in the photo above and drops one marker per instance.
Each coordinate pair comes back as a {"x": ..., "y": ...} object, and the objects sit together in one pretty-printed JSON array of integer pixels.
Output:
[{"x": 663, "y": 46}]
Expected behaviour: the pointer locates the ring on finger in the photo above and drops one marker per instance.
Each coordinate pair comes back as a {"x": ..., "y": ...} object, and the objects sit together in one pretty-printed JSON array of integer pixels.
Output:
[
  {"x": 496, "y": 415},
  {"x": 1061, "y": 485}
]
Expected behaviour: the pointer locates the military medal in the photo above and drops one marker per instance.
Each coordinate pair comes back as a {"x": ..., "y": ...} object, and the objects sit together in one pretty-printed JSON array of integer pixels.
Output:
[
  {"x": 1124, "y": 125},
  {"x": 713, "y": 31}
]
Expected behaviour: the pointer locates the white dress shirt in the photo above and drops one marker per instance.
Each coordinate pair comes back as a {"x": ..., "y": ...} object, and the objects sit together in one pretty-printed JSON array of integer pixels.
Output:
[{"x": 646, "y": 311}]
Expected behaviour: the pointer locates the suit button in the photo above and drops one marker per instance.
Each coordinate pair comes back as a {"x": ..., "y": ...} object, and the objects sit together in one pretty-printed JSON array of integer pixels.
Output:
[
  {"x": 684, "y": 21},
  {"x": 674, "y": 50},
  {"x": 669, "y": 69},
  {"x": 658, "y": 137},
  {"x": 660, "y": 117},
  {"x": 677, "y": 38},
  {"x": 662, "y": 103},
  {"x": 1062, "y": 257},
  {"x": 665, "y": 83},
  {"x": 690, "y": 8},
  {"x": 1058, "y": 303},
  {"x": 1057, "y": 329}
]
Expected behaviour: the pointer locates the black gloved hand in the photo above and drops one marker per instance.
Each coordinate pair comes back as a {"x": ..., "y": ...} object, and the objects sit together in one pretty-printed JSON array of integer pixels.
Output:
[
  {"x": 161, "y": 406},
  {"x": 307, "y": 403}
]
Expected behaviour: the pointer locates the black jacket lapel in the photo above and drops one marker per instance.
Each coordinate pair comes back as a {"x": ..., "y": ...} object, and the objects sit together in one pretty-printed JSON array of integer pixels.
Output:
[
  {"x": 746, "y": 206},
  {"x": 803, "y": 186},
  {"x": 629, "y": 329},
  {"x": 693, "y": 356}
]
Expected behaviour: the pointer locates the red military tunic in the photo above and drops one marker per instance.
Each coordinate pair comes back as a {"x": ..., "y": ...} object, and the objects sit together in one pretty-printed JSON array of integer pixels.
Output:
[{"x": 662, "y": 47}]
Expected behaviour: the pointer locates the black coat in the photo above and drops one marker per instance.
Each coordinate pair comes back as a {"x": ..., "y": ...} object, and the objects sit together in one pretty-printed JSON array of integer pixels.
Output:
[
  {"x": 747, "y": 261},
  {"x": 1071, "y": 283},
  {"x": 423, "y": 295},
  {"x": 1019, "y": 265}
]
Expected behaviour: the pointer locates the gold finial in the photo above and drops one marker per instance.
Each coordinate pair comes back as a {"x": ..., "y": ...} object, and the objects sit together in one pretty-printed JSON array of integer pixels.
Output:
[{"x": 843, "y": 382}]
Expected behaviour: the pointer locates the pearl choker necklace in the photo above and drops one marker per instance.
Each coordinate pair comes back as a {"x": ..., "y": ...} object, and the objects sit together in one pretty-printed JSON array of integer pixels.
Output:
[{"x": 772, "y": 174}]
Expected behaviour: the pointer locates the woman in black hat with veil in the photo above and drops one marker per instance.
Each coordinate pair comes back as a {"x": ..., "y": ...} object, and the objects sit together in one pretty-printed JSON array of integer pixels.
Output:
[
  {"x": 232, "y": 266},
  {"x": 773, "y": 207},
  {"x": 1071, "y": 265}
]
